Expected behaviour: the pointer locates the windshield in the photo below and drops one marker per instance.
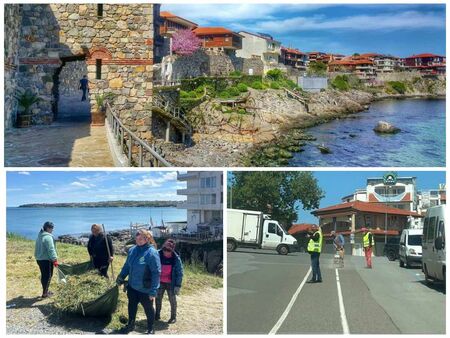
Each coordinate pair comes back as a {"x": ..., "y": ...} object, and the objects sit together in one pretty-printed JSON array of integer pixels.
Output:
[{"x": 415, "y": 240}]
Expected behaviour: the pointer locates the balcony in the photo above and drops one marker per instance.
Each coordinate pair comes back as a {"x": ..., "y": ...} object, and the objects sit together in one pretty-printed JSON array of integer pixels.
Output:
[{"x": 187, "y": 176}]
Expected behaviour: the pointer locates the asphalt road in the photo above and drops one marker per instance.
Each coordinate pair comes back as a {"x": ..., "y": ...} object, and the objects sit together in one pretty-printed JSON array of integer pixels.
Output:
[{"x": 267, "y": 293}]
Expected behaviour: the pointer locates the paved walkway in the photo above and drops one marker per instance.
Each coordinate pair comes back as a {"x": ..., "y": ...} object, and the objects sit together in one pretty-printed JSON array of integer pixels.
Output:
[{"x": 68, "y": 142}]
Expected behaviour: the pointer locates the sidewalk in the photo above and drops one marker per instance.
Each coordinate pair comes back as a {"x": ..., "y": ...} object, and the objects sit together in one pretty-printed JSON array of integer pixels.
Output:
[{"x": 62, "y": 144}]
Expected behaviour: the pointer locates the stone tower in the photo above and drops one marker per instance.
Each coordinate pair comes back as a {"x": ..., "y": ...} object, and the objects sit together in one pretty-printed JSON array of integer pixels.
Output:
[{"x": 111, "y": 43}]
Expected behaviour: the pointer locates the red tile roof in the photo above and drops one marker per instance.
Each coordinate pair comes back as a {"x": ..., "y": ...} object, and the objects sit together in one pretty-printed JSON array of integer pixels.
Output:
[
  {"x": 296, "y": 228},
  {"x": 424, "y": 55},
  {"x": 170, "y": 15},
  {"x": 166, "y": 14},
  {"x": 212, "y": 30},
  {"x": 292, "y": 50},
  {"x": 364, "y": 207}
]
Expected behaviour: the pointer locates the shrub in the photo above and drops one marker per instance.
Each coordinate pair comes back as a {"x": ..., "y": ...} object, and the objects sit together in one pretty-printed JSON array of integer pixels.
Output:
[
  {"x": 242, "y": 87},
  {"x": 235, "y": 73},
  {"x": 398, "y": 86},
  {"x": 340, "y": 82},
  {"x": 275, "y": 74},
  {"x": 234, "y": 91},
  {"x": 274, "y": 85},
  {"x": 257, "y": 85}
]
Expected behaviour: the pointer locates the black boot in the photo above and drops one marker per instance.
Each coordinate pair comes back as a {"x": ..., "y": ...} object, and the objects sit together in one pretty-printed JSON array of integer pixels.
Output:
[
  {"x": 127, "y": 328},
  {"x": 152, "y": 331},
  {"x": 157, "y": 316},
  {"x": 172, "y": 320}
]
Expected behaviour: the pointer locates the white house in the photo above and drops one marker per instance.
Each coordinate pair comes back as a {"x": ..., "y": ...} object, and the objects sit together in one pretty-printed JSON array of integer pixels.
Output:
[{"x": 263, "y": 46}]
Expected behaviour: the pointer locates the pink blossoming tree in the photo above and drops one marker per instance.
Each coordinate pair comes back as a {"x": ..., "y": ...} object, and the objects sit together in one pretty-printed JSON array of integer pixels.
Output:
[{"x": 185, "y": 42}]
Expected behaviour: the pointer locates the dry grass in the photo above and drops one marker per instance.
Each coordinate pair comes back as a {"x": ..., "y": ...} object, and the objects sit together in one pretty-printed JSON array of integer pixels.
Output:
[{"x": 23, "y": 284}]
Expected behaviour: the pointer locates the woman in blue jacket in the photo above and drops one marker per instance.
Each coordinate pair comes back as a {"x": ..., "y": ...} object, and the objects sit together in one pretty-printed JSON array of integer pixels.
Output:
[
  {"x": 143, "y": 269},
  {"x": 171, "y": 278}
]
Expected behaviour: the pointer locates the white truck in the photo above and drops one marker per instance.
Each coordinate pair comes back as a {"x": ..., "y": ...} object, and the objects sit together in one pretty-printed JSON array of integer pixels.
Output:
[{"x": 253, "y": 229}]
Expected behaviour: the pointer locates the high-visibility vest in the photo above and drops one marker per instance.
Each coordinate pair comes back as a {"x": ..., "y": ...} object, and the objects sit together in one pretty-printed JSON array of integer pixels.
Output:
[
  {"x": 314, "y": 246},
  {"x": 366, "y": 240}
]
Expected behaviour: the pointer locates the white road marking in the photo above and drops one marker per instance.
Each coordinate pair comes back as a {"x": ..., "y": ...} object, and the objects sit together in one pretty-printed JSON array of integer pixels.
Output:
[
  {"x": 289, "y": 307},
  {"x": 341, "y": 305}
]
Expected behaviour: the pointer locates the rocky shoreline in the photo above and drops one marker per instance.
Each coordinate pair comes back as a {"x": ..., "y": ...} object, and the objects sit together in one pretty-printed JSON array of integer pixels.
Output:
[
  {"x": 210, "y": 254},
  {"x": 275, "y": 127}
]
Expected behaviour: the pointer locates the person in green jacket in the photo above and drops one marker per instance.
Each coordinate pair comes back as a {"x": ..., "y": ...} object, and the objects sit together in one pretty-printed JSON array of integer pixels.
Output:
[{"x": 46, "y": 256}]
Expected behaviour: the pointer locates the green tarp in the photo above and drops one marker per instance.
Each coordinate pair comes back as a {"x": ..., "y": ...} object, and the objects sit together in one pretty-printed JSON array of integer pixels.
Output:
[
  {"x": 103, "y": 306},
  {"x": 76, "y": 269}
]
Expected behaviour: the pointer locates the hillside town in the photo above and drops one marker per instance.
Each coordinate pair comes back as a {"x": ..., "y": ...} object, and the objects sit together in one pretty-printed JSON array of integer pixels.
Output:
[{"x": 273, "y": 54}]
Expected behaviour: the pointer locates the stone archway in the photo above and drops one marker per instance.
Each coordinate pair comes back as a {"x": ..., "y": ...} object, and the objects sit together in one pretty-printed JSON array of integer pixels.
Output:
[{"x": 68, "y": 105}]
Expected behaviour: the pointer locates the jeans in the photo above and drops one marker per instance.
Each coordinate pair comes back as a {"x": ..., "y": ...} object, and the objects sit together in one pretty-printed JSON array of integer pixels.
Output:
[
  {"x": 134, "y": 298},
  {"x": 172, "y": 299},
  {"x": 46, "y": 267},
  {"x": 84, "y": 94},
  {"x": 315, "y": 266}
]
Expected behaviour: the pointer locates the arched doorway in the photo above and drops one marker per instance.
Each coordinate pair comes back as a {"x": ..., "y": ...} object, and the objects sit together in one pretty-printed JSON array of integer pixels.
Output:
[{"x": 68, "y": 104}]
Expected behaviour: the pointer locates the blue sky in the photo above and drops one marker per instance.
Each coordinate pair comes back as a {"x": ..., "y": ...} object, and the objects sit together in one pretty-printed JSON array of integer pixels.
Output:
[
  {"x": 396, "y": 29},
  {"x": 337, "y": 184},
  {"x": 90, "y": 186}
]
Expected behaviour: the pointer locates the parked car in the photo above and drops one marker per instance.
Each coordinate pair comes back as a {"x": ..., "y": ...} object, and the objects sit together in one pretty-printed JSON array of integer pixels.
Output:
[
  {"x": 391, "y": 248},
  {"x": 433, "y": 244},
  {"x": 410, "y": 250}
]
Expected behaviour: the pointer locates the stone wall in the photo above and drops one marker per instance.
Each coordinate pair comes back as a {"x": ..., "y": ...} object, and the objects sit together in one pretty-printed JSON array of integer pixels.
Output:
[
  {"x": 207, "y": 63},
  {"x": 11, "y": 43},
  {"x": 121, "y": 39},
  {"x": 398, "y": 76}
]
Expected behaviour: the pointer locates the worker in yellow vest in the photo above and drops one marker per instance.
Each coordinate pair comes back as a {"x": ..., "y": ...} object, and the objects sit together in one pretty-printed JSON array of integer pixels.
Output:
[
  {"x": 314, "y": 249},
  {"x": 368, "y": 243}
]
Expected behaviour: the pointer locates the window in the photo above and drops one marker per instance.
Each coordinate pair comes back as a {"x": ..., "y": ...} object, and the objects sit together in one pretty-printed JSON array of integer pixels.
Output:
[
  {"x": 208, "y": 182},
  {"x": 415, "y": 240},
  {"x": 100, "y": 10},
  {"x": 431, "y": 229},
  {"x": 98, "y": 69},
  {"x": 272, "y": 228},
  {"x": 207, "y": 199}
]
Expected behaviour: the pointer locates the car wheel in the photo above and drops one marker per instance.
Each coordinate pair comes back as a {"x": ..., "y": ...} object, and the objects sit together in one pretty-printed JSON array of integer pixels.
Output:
[
  {"x": 231, "y": 246},
  {"x": 391, "y": 255},
  {"x": 283, "y": 250},
  {"x": 401, "y": 263}
]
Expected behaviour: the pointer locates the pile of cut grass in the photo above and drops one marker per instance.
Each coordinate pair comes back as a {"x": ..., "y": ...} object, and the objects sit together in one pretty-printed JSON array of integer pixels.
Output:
[{"x": 80, "y": 289}]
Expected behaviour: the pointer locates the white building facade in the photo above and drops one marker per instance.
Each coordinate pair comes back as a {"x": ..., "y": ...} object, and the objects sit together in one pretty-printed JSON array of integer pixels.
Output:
[
  {"x": 204, "y": 201},
  {"x": 262, "y": 45}
]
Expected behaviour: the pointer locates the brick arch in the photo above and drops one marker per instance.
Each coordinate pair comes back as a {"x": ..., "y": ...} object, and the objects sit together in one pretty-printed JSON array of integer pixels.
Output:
[{"x": 96, "y": 53}]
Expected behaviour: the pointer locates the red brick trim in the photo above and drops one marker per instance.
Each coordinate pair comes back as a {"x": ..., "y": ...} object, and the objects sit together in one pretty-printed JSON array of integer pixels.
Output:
[
  {"x": 39, "y": 61},
  {"x": 128, "y": 62}
]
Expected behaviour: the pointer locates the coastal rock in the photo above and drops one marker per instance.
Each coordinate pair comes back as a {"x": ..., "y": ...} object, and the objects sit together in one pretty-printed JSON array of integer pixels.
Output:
[{"x": 384, "y": 127}]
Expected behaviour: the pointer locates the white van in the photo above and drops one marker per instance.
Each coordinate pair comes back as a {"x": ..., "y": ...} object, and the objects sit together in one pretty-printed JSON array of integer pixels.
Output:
[
  {"x": 433, "y": 244},
  {"x": 410, "y": 249}
]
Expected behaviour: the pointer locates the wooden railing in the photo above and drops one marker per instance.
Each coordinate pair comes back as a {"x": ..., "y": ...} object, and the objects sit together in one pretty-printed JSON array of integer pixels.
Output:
[{"x": 127, "y": 140}]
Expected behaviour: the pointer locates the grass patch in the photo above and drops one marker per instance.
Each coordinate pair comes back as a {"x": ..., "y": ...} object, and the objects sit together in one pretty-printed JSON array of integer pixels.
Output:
[
  {"x": 397, "y": 86},
  {"x": 22, "y": 276}
]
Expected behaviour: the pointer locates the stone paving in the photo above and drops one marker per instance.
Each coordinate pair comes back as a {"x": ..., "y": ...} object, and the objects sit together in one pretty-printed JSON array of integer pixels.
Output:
[{"x": 68, "y": 142}]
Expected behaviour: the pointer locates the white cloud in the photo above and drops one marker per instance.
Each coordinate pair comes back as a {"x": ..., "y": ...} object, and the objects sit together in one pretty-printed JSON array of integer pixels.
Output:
[
  {"x": 393, "y": 21},
  {"x": 24, "y": 173},
  {"x": 46, "y": 184},
  {"x": 154, "y": 182},
  {"x": 82, "y": 185}
]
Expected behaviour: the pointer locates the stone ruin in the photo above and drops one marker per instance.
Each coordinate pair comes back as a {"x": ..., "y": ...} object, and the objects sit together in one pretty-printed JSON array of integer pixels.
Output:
[{"x": 49, "y": 46}]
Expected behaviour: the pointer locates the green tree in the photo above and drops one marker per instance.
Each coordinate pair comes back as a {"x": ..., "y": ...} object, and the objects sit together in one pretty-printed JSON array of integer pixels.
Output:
[
  {"x": 317, "y": 68},
  {"x": 279, "y": 193}
]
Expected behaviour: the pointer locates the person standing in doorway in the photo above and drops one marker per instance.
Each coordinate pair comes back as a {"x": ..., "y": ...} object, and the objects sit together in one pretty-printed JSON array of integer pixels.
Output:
[
  {"x": 46, "y": 256},
  {"x": 368, "y": 243},
  {"x": 314, "y": 249},
  {"x": 84, "y": 86},
  {"x": 100, "y": 249}
]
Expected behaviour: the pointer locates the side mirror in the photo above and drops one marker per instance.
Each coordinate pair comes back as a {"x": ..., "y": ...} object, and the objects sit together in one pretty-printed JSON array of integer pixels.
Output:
[{"x": 438, "y": 243}]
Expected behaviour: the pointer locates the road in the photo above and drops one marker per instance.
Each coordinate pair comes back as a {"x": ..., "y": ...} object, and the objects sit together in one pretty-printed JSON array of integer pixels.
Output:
[{"x": 267, "y": 293}]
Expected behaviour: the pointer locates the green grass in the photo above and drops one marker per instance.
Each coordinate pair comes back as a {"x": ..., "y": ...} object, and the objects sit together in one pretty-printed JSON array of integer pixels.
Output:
[{"x": 22, "y": 275}]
